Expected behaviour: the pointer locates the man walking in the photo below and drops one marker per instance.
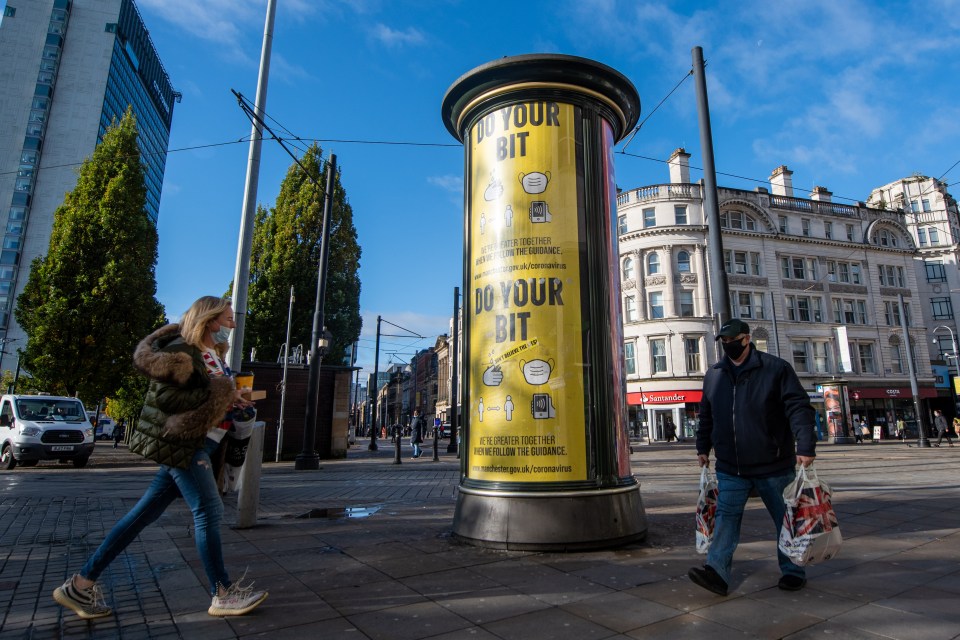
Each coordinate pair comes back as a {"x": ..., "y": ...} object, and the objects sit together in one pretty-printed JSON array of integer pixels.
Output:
[
  {"x": 757, "y": 418},
  {"x": 943, "y": 429}
]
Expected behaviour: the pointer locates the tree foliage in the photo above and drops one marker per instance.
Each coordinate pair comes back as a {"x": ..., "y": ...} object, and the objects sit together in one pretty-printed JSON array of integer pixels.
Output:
[
  {"x": 286, "y": 252},
  {"x": 91, "y": 298}
]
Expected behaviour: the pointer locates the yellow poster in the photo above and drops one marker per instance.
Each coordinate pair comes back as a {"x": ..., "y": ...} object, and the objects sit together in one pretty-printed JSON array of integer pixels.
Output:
[{"x": 525, "y": 397}]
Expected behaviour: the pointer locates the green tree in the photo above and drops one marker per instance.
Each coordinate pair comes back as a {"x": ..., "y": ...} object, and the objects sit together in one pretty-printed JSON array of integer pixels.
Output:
[
  {"x": 286, "y": 252},
  {"x": 91, "y": 298}
]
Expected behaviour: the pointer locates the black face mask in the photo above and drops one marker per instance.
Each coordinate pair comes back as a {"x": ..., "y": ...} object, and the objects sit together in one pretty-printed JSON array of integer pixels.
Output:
[{"x": 733, "y": 349}]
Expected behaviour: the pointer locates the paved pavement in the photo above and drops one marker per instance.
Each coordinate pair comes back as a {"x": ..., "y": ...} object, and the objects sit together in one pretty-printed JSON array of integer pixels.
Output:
[{"x": 377, "y": 559}]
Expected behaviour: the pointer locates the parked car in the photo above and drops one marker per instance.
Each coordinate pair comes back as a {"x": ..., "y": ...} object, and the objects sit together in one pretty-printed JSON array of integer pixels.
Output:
[
  {"x": 445, "y": 430},
  {"x": 41, "y": 427}
]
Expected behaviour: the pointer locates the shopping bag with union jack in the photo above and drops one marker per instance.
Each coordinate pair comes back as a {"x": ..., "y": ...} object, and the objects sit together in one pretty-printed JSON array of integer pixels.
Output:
[
  {"x": 810, "y": 532},
  {"x": 706, "y": 509}
]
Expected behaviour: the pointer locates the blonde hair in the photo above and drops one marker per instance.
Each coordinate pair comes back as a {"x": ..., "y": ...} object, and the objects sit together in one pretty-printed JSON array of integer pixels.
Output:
[{"x": 193, "y": 325}]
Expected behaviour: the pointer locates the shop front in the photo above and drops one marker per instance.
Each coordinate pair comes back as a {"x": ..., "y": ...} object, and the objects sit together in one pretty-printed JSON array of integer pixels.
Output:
[
  {"x": 664, "y": 416},
  {"x": 882, "y": 407}
]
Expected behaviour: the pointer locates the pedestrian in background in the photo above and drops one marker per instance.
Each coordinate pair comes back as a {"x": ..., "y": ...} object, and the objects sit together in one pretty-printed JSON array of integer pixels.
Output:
[
  {"x": 181, "y": 427},
  {"x": 118, "y": 433},
  {"x": 757, "y": 418},
  {"x": 943, "y": 429},
  {"x": 416, "y": 433}
]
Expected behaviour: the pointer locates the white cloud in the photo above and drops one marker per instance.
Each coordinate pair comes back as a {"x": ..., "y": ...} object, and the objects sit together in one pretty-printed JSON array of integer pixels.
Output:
[
  {"x": 394, "y": 38},
  {"x": 447, "y": 183}
]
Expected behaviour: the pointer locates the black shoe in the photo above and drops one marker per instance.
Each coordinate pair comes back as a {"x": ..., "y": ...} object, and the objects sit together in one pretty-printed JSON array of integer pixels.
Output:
[
  {"x": 792, "y": 583},
  {"x": 709, "y": 579}
]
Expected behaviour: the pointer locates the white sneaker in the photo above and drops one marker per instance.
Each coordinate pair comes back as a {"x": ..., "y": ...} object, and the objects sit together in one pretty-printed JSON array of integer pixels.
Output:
[
  {"x": 87, "y": 603},
  {"x": 237, "y": 601}
]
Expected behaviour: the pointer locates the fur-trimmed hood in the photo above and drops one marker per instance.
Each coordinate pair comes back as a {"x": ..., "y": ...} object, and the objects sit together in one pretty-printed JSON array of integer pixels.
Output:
[{"x": 164, "y": 366}]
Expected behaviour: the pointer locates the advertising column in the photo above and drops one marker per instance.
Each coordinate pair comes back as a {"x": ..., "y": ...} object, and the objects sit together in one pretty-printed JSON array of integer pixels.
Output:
[{"x": 545, "y": 456}]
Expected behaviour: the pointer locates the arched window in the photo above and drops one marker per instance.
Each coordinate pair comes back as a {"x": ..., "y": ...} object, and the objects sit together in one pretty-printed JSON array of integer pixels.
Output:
[
  {"x": 683, "y": 261},
  {"x": 628, "y": 268},
  {"x": 653, "y": 264}
]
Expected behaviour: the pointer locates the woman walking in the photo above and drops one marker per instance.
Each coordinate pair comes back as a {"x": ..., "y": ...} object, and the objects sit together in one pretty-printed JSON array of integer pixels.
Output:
[{"x": 181, "y": 427}]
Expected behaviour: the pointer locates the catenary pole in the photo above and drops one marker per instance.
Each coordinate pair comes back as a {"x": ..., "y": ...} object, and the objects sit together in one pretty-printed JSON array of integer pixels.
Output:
[
  {"x": 308, "y": 458},
  {"x": 376, "y": 390},
  {"x": 241, "y": 276},
  {"x": 719, "y": 292}
]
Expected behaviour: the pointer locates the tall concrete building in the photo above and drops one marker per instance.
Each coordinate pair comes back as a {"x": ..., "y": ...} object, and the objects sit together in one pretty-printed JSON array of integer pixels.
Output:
[{"x": 70, "y": 67}]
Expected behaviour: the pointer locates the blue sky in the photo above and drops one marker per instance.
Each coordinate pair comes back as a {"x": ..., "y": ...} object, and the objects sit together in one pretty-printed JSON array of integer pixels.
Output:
[{"x": 849, "y": 95}]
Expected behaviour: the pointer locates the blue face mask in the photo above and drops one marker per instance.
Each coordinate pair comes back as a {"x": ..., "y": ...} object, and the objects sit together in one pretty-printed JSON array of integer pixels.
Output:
[{"x": 222, "y": 334}]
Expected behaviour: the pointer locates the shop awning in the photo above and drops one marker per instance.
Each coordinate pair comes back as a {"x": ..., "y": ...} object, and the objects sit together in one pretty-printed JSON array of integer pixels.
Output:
[{"x": 868, "y": 393}]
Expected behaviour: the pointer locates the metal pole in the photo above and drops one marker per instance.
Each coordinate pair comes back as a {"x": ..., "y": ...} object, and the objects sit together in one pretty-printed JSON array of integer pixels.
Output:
[
  {"x": 376, "y": 390},
  {"x": 241, "y": 276},
  {"x": 308, "y": 458},
  {"x": 454, "y": 371},
  {"x": 719, "y": 292},
  {"x": 923, "y": 441},
  {"x": 283, "y": 385}
]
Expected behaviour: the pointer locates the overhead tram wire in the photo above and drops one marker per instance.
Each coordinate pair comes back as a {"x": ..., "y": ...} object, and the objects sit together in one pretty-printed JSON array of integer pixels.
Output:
[{"x": 659, "y": 104}]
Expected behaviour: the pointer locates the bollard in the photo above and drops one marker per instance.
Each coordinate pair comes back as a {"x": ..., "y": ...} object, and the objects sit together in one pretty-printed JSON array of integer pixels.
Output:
[
  {"x": 396, "y": 439},
  {"x": 436, "y": 437},
  {"x": 248, "y": 499}
]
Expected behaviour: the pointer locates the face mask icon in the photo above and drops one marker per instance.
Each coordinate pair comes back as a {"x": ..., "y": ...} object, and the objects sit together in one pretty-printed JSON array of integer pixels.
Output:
[
  {"x": 534, "y": 182},
  {"x": 536, "y": 371}
]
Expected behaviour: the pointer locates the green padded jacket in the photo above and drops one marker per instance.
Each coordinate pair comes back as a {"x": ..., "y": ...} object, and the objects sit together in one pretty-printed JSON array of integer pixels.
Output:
[{"x": 183, "y": 401}]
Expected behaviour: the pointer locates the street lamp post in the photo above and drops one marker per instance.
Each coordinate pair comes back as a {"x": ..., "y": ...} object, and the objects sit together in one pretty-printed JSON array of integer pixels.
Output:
[{"x": 956, "y": 359}]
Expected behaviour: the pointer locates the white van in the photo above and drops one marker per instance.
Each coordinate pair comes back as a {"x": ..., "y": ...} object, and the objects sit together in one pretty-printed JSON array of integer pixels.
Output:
[{"x": 35, "y": 428}]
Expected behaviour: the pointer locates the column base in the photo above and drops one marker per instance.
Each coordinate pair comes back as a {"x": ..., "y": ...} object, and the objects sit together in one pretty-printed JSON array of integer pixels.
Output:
[{"x": 550, "y": 521}]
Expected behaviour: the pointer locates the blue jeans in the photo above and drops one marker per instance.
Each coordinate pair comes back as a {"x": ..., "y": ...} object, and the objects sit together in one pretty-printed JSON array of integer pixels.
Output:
[
  {"x": 416, "y": 449},
  {"x": 734, "y": 491},
  {"x": 199, "y": 488}
]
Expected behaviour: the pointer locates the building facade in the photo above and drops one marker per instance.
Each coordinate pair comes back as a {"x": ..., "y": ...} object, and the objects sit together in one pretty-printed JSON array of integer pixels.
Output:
[
  {"x": 821, "y": 284},
  {"x": 70, "y": 68}
]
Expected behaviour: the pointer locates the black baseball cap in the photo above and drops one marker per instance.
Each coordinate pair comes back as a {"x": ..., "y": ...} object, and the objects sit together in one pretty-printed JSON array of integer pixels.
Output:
[{"x": 733, "y": 328}]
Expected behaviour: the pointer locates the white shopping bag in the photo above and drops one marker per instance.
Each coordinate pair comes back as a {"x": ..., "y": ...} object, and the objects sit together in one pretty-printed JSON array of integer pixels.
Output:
[
  {"x": 238, "y": 437},
  {"x": 706, "y": 509},
  {"x": 810, "y": 531}
]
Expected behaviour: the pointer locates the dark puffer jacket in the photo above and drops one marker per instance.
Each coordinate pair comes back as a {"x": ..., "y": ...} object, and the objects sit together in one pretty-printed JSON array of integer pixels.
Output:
[
  {"x": 183, "y": 401},
  {"x": 758, "y": 422}
]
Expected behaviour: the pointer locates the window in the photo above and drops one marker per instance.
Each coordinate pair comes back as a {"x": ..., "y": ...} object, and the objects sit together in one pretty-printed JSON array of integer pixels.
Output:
[
  {"x": 864, "y": 353},
  {"x": 9, "y": 12},
  {"x": 821, "y": 363},
  {"x": 683, "y": 261},
  {"x": 799, "y": 350},
  {"x": 798, "y": 268},
  {"x": 784, "y": 225},
  {"x": 925, "y": 204},
  {"x": 848, "y": 272},
  {"x": 630, "y": 358},
  {"x": 656, "y": 304},
  {"x": 742, "y": 262},
  {"x": 935, "y": 271},
  {"x": 850, "y": 232},
  {"x": 828, "y": 230},
  {"x": 804, "y": 309},
  {"x": 686, "y": 304},
  {"x": 737, "y": 220},
  {"x": 934, "y": 235},
  {"x": 658, "y": 356},
  {"x": 849, "y": 311},
  {"x": 913, "y": 206},
  {"x": 628, "y": 268},
  {"x": 622, "y": 224},
  {"x": 922, "y": 237},
  {"x": 691, "y": 350},
  {"x": 680, "y": 214},
  {"x": 111, "y": 27},
  {"x": 891, "y": 313},
  {"x": 746, "y": 304},
  {"x": 896, "y": 358},
  {"x": 886, "y": 238},
  {"x": 649, "y": 218},
  {"x": 942, "y": 308},
  {"x": 630, "y": 309},
  {"x": 653, "y": 263},
  {"x": 805, "y": 226}
]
